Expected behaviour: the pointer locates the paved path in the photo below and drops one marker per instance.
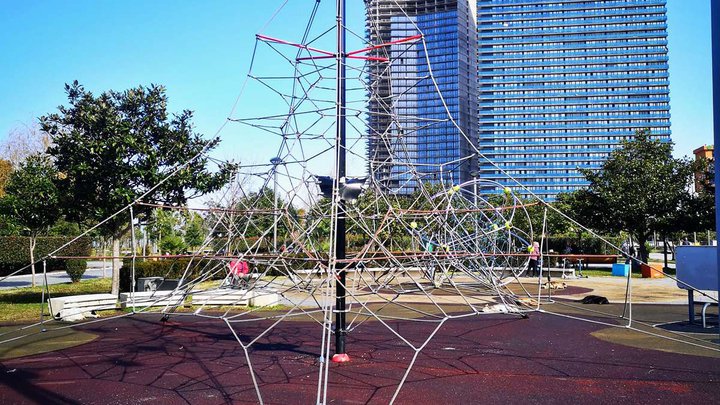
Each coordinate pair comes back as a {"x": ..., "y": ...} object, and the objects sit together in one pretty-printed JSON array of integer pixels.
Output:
[{"x": 94, "y": 270}]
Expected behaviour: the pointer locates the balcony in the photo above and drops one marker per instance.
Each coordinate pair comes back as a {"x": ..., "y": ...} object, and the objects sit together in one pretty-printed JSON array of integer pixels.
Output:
[{"x": 576, "y": 37}]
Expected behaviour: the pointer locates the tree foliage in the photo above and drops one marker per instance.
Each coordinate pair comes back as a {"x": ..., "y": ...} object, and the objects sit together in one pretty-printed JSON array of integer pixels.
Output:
[
  {"x": 23, "y": 141},
  {"x": 5, "y": 170},
  {"x": 112, "y": 148},
  {"x": 32, "y": 198},
  {"x": 194, "y": 231},
  {"x": 639, "y": 189}
]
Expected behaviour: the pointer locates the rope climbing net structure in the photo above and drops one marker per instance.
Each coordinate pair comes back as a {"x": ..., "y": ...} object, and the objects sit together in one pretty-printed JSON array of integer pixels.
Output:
[{"x": 420, "y": 245}]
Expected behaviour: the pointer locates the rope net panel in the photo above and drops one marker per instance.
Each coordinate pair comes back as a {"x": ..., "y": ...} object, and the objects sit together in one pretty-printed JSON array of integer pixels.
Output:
[{"x": 425, "y": 244}]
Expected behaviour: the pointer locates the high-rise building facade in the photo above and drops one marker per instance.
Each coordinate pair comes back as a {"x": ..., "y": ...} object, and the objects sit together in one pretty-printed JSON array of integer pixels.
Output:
[
  {"x": 411, "y": 136},
  {"x": 563, "y": 82}
]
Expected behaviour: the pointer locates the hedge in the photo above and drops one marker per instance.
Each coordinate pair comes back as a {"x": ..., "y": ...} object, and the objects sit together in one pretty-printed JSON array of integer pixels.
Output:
[
  {"x": 174, "y": 268},
  {"x": 167, "y": 268},
  {"x": 587, "y": 245},
  {"x": 15, "y": 252}
]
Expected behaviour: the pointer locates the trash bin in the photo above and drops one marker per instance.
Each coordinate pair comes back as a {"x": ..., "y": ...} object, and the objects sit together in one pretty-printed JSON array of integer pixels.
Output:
[
  {"x": 651, "y": 271},
  {"x": 169, "y": 284},
  {"x": 148, "y": 283}
]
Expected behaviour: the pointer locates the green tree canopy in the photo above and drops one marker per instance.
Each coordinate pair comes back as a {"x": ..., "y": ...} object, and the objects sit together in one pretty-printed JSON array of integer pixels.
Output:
[
  {"x": 639, "y": 189},
  {"x": 32, "y": 197},
  {"x": 112, "y": 148},
  {"x": 194, "y": 230},
  {"x": 32, "y": 200}
]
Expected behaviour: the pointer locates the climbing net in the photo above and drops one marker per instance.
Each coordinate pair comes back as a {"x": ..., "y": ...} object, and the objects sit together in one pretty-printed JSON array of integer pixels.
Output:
[{"x": 425, "y": 245}]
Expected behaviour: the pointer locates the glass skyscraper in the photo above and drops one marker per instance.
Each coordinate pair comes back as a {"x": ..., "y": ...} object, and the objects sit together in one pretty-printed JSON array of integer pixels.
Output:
[
  {"x": 411, "y": 136},
  {"x": 563, "y": 82}
]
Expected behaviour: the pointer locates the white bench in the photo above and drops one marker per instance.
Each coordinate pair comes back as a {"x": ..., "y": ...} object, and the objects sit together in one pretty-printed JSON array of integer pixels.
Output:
[
  {"x": 261, "y": 297},
  {"x": 264, "y": 297},
  {"x": 221, "y": 297},
  {"x": 78, "y": 307},
  {"x": 151, "y": 299}
]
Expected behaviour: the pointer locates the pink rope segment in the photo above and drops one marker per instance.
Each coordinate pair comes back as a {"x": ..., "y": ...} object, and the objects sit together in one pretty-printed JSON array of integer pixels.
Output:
[{"x": 329, "y": 55}]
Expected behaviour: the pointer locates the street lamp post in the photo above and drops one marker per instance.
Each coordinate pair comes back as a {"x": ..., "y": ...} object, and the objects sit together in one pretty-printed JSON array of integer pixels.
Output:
[{"x": 275, "y": 162}]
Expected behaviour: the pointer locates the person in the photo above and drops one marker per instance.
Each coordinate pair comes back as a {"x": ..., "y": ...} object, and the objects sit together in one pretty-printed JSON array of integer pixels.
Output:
[
  {"x": 239, "y": 270},
  {"x": 626, "y": 251},
  {"x": 685, "y": 242},
  {"x": 533, "y": 270},
  {"x": 634, "y": 263}
]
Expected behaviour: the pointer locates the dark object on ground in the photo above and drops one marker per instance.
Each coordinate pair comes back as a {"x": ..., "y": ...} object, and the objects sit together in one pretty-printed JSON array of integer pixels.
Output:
[{"x": 594, "y": 299}]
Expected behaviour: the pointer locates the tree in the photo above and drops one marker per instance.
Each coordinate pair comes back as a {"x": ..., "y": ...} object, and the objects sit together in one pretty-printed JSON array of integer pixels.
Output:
[
  {"x": 32, "y": 199},
  {"x": 23, "y": 141},
  {"x": 162, "y": 223},
  {"x": 5, "y": 171},
  {"x": 194, "y": 230},
  {"x": 172, "y": 244},
  {"x": 639, "y": 189},
  {"x": 113, "y": 148}
]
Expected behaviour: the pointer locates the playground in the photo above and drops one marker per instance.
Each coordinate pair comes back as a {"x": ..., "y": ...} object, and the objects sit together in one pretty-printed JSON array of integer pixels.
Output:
[{"x": 546, "y": 358}]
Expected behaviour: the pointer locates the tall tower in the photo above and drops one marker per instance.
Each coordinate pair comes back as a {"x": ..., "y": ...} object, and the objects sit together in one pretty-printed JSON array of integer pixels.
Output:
[
  {"x": 563, "y": 82},
  {"x": 411, "y": 137}
]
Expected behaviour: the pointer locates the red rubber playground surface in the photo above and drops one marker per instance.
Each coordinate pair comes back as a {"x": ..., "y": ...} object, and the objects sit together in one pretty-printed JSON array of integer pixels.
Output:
[{"x": 490, "y": 359}]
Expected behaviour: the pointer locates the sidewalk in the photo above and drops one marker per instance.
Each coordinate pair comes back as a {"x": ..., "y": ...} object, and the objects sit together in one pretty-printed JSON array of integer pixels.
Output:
[{"x": 94, "y": 270}]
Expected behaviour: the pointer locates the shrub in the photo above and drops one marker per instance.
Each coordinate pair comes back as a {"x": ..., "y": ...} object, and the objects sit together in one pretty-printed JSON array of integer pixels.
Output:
[
  {"x": 588, "y": 244},
  {"x": 167, "y": 268},
  {"x": 173, "y": 268},
  {"x": 75, "y": 268}
]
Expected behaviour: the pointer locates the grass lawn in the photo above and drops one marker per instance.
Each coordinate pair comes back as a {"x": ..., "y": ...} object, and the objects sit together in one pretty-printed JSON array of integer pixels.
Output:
[
  {"x": 607, "y": 272},
  {"x": 19, "y": 305},
  {"x": 600, "y": 272}
]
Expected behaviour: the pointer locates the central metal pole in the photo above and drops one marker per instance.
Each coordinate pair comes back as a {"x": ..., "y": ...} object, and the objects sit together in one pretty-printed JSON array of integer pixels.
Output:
[
  {"x": 475, "y": 215},
  {"x": 275, "y": 162},
  {"x": 275, "y": 207},
  {"x": 340, "y": 265}
]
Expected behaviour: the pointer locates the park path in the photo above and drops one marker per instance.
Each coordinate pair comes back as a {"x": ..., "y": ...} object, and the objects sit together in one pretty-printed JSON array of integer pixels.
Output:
[{"x": 94, "y": 270}]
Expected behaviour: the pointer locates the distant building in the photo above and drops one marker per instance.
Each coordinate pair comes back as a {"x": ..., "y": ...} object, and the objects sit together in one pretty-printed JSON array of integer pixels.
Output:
[
  {"x": 704, "y": 152},
  {"x": 563, "y": 82},
  {"x": 410, "y": 135}
]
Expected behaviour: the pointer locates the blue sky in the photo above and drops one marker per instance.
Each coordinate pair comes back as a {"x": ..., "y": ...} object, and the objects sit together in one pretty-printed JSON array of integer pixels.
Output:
[{"x": 201, "y": 52}]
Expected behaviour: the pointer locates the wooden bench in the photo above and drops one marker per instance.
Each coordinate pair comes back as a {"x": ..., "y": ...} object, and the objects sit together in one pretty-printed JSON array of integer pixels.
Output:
[
  {"x": 585, "y": 259},
  {"x": 580, "y": 261},
  {"x": 78, "y": 307},
  {"x": 144, "y": 299}
]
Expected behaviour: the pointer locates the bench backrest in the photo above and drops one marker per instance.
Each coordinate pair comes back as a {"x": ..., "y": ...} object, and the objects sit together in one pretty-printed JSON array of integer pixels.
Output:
[{"x": 697, "y": 266}]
